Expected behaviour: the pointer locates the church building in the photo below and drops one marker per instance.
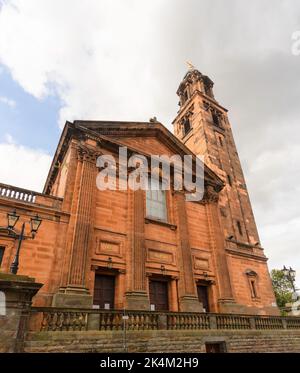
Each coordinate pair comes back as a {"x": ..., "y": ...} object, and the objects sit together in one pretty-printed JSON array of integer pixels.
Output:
[{"x": 143, "y": 250}]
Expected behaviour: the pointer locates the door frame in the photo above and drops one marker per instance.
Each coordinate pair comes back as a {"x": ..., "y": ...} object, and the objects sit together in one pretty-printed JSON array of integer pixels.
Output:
[
  {"x": 161, "y": 278},
  {"x": 106, "y": 272},
  {"x": 206, "y": 284}
]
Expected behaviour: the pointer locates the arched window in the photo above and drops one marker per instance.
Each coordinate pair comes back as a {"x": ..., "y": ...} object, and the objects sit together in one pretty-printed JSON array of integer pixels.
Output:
[
  {"x": 186, "y": 126},
  {"x": 253, "y": 283}
]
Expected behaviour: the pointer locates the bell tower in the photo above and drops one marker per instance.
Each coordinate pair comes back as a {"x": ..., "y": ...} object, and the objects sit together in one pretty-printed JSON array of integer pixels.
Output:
[{"x": 202, "y": 125}]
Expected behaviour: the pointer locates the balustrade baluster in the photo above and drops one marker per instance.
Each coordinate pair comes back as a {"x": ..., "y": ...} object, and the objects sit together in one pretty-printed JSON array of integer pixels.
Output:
[{"x": 45, "y": 322}]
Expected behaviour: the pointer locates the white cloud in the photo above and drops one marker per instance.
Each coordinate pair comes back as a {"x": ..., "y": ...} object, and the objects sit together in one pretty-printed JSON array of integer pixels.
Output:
[
  {"x": 9, "y": 139},
  {"x": 123, "y": 60},
  {"x": 24, "y": 167},
  {"x": 87, "y": 52},
  {"x": 282, "y": 244},
  {"x": 7, "y": 101}
]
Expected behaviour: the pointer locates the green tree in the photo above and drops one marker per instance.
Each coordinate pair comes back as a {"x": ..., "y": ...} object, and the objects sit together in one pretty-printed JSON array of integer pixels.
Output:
[{"x": 282, "y": 288}]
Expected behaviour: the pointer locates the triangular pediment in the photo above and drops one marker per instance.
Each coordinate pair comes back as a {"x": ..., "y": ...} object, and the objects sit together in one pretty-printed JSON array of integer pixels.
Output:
[{"x": 142, "y": 137}]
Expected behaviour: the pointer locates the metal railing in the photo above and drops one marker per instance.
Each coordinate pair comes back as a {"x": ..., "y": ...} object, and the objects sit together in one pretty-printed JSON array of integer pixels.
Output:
[{"x": 61, "y": 319}]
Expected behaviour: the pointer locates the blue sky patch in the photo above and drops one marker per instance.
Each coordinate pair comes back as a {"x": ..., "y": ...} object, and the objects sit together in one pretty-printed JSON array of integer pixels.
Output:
[{"x": 30, "y": 121}]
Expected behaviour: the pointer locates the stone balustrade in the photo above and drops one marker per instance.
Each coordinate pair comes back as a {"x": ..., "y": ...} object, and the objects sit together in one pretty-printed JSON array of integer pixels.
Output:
[
  {"x": 20, "y": 194},
  {"x": 28, "y": 196},
  {"x": 60, "y": 319}
]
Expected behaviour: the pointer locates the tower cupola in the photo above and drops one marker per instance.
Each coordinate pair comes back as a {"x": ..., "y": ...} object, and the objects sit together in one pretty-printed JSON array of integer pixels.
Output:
[{"x": 192, "y": 82}]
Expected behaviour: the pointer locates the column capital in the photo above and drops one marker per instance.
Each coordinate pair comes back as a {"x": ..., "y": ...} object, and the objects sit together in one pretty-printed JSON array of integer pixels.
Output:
[
  {"x": 87, "y": 153},
  {"x": 211, "y": 195}
]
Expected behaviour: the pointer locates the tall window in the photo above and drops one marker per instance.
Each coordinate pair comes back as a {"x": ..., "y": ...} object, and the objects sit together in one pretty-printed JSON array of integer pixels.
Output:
[
  {"x": 215, "y": 119},
  {"x": 229, "y": 180},
  {"x": 156, "y": 206},
  {"x": 253, "y": 283},
  {"x": 253, "y": 289},
  {"x": 2, "y": 248},
  {"x": 185, "y": 96},
  {"x": 186, "y": 126},
  {"x": 238, "y": 223}
]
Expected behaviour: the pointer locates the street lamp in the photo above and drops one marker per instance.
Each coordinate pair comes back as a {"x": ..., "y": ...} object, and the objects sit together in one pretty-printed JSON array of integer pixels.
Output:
[
  {"x": 35, "y": 224},
  {"x": 290, "y": 274},
  {"x": 12, "y": 219}
]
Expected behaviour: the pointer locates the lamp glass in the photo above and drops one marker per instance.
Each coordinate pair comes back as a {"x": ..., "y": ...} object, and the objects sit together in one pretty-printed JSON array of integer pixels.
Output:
[
  {"x": 35, "y": 223},
  {"x": 285, "y": 271},
  {"x": 12, "y": 219}
]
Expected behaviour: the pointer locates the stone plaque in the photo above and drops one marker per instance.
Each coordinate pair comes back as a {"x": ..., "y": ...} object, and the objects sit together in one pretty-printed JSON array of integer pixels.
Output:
[
  {"x": 160, "y": 256},
  {"x": 106, "y": 247},
  {"x": 201, "y": 263}
]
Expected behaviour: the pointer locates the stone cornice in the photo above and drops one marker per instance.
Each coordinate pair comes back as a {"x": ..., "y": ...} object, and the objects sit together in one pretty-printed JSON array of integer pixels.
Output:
[
  {"x": 189, "y": 102},
  {"x": 246, "y": 255},
  {"x": 37, "y": 208}
]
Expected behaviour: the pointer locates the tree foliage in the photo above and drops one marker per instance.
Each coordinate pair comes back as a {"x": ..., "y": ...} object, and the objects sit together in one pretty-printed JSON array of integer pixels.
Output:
[{"x": 282, "y": 288}]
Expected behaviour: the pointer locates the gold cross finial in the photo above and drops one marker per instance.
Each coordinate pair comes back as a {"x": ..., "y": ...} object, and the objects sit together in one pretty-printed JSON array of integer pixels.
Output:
[{"x": 190, "y": 65}]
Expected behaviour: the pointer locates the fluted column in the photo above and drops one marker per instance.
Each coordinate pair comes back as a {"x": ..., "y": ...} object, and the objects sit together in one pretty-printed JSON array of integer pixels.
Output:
[
  {"x": 139, "y": 273},
  {"x": 188, "y": 299},
  {"x": 83, "y": 221},
  {"x": 137, "y": 297},
  {"x": 74, "y": 292}
]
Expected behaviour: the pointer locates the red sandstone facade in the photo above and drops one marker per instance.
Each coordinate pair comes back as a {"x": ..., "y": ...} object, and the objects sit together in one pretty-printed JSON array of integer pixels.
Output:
[{"x": 100, "y": 248}]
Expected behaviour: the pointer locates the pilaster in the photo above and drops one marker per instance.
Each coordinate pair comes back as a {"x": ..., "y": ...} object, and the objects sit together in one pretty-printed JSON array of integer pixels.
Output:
[
  {"x": 75, "y": 292},
  {"x": 137, "y": 297},
  {"x": 188, "y": 299}
]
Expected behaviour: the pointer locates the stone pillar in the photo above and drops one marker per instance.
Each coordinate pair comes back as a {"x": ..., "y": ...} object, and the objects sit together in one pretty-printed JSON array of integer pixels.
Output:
[
  {"x": 137, "y": 298},
  {"x": 188, "y": 299},
  {"x": 173, "y": 295},
  {"x": 75, "y": 293},
  {"x": 120, "y": 290},
  {"x": 226, "y": 300},
  {"x": 16, "y": 293}
]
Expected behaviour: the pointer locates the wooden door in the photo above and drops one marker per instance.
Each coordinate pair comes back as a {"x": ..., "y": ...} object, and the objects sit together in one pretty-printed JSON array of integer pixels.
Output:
[
  {"x": 214, "y": 348},
  {"x": 104, "y": 291},
  {"x": 159, "y": 295},
  {"x": 203, "y": 296}
]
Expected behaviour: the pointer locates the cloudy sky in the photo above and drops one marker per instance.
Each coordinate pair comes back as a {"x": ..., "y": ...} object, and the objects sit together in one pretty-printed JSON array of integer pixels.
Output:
[{"x": 123, "y": 60}]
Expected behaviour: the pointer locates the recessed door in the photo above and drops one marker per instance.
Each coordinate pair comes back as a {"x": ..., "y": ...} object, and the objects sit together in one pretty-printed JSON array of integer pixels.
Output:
[
  {"x": 159, "y": 295},
  {"x": 104, "y": 291},
  {"x": 215, "y": 348},
  {"x": 203, "y": 296}
]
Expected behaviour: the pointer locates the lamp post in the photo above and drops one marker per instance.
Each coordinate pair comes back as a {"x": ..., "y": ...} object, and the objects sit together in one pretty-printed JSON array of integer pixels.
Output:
[
  {"x": 12, "y": 219},
  {"x": 290, "y": 274}
]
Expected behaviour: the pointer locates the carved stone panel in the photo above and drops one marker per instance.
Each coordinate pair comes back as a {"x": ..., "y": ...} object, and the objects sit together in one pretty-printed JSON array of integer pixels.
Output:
[
  {"x": 106, "y": 247},
  {"x": 160, "y": 256},
  {"x": 109, "y": 243}
]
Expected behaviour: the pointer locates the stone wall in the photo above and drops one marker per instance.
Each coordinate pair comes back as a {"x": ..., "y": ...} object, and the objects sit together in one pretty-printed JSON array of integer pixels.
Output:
[
  {"x": 16, "y": 295},
  {"x": 163, "y": 341}
]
